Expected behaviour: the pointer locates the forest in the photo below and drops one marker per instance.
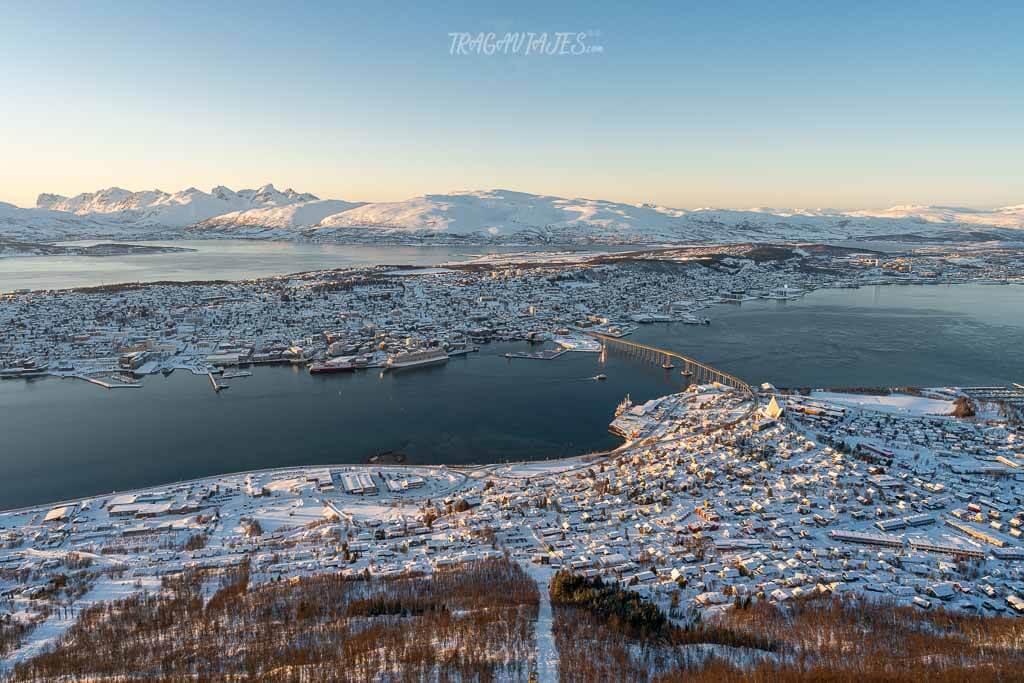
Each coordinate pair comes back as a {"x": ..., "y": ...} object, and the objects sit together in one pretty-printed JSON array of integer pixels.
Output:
[
  {"x": 477, "y": 622},
  {"x": 603, "y": 633},
  {"x": 473, "y": 622}
]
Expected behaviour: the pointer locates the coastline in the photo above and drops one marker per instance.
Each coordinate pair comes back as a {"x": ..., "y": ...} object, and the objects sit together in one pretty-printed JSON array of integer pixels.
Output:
[{"x": 428, "y": 380}]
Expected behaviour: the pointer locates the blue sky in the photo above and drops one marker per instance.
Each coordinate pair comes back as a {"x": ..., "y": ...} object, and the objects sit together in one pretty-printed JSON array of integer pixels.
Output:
[{"x": 863, "y": 104}]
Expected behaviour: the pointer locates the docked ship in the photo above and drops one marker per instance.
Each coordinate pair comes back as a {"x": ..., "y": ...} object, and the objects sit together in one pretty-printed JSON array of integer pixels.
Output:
[
  {"x": 340, "y": 364},
  {"x": 24, "y": 368},
  {"x": 412, "y": 359},
  {"x": 785, "y": 293}
]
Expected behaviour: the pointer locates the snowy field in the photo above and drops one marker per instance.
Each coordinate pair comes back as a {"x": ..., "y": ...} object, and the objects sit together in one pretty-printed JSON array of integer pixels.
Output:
[{"x": 903, "y": 404}]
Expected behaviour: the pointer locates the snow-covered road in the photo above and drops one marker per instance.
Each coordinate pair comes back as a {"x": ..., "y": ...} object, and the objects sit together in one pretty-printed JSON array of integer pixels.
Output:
[{"x": 547, "y": 652}]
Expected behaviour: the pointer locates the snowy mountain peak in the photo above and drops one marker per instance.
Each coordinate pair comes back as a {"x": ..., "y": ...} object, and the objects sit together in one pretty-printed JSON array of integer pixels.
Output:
[
  {"x": 470, "y": 214},
  {"x": 158, "y": 208},
  {"x": 47, "y": 201}
]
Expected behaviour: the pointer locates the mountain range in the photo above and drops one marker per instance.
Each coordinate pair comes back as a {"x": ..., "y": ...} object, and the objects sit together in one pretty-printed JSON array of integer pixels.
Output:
[{"x": 491, "y": 215}]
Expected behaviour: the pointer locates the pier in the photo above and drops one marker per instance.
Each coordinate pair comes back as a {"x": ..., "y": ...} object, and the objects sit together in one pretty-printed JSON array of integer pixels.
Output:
[
  {"x": 108, "y": 385},
  {"x": 213, "y": 381},
  {"x": 548, "y": 354}
]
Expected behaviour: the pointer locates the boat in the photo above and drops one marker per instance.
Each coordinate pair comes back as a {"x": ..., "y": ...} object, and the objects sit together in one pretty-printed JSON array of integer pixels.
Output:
[
  {"x": 785, "y": 293},
  {"x": 332, "y": 365},
  {"x": 22, "y": 373},
  {"x": 26, "y": 367},
  {"x": 411, "y": 359},
  {"x": 601, "y": 377},
  {"x": 341, "y": 364},
  {"x": 236, "y": 374},
  {"x": 461, "y": 350}
]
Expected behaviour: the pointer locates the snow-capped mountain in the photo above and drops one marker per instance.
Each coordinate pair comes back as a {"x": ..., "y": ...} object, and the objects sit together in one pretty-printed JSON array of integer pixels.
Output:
[
  {"x": 46, "y": 225},
  {"x": 268, "y": 213},
  {"x": 154, "y": 207},
  {"x": 505, "y": 214},
  {"x": 288, "y": 217},
  {"x": 1006, "y": 217}
]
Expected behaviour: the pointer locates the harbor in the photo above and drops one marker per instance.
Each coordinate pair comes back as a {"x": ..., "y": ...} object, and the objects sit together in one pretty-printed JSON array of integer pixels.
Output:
[
  {"x": 471, "y": 411},
  {"x": 488, "y": 407}
]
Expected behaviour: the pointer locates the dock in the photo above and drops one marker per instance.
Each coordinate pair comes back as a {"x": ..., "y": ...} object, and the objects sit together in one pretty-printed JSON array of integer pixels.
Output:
[
  {"x": 108, "y": 385},
  {"x": 213, "y": 381},
  {"x": 537, "y": 355}
]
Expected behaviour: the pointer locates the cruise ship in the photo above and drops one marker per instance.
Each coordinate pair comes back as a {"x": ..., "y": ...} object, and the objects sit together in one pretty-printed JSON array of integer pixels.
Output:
[
  {"x": 340, "y": 364},
  {"x": 411, "y": 359}
]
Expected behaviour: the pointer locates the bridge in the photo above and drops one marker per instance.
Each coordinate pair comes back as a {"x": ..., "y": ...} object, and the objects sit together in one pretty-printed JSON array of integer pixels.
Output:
[{"x": 696, "y": 371}]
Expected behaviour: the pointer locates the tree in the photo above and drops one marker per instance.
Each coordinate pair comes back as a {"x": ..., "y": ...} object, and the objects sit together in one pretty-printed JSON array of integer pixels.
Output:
[{"x": 962, "y": 407}]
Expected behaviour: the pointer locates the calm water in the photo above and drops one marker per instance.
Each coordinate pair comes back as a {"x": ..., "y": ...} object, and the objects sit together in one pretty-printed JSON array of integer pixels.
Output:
[
  {"x": 220, "y": 260},
  {"x": 67, "y": 438},
  {"x": 873, "y": 336}
]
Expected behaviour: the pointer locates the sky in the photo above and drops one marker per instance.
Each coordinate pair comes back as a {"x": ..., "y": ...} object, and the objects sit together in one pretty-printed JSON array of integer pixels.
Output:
[{"x": 743, "y": 104}]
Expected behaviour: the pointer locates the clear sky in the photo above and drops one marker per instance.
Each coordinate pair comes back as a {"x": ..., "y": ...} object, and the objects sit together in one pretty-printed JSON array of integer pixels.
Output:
[{"x": 824, "y": 104}]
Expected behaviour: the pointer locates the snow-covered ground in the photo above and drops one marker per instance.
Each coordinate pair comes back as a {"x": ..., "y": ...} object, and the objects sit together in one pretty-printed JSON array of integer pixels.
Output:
[
  {"x": 48, "y": 632},
  {"x": 903, "y": 404},
  {"x": 913, "y": 508},
  {"x": 547, "y": 651}
]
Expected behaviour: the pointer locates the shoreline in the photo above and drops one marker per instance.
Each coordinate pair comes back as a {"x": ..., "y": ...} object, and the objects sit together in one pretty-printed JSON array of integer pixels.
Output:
[
  {"x": 182, "y": 328},
  {"x": 548, "y": 460},
  {"x": 573, "y": 462},
  {"x": 737, "y": 385},
  {"x": 503, "y": 254}
]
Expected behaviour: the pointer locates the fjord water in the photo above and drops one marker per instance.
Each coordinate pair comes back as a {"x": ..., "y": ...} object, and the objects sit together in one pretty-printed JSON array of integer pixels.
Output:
[
  {"x": 877, "y": 336},
  {"x": 67, "y": 438},
  {"x": 223, "y": 260}
]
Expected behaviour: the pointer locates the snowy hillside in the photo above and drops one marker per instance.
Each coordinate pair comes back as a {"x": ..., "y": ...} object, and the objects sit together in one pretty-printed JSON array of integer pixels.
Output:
[
  {"x": 504, "y": 214},
  {"x": 1006, "y": 217},
  {"x": 286, "y": 217},
  {"x": 177, "y": 210},
  {"x": 53, "y": 226},
  {"x": 268, "y": 213}
]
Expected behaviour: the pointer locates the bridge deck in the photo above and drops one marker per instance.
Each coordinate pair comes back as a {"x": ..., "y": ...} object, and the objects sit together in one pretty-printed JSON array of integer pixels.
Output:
[{"x": 699, "y": 372}]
